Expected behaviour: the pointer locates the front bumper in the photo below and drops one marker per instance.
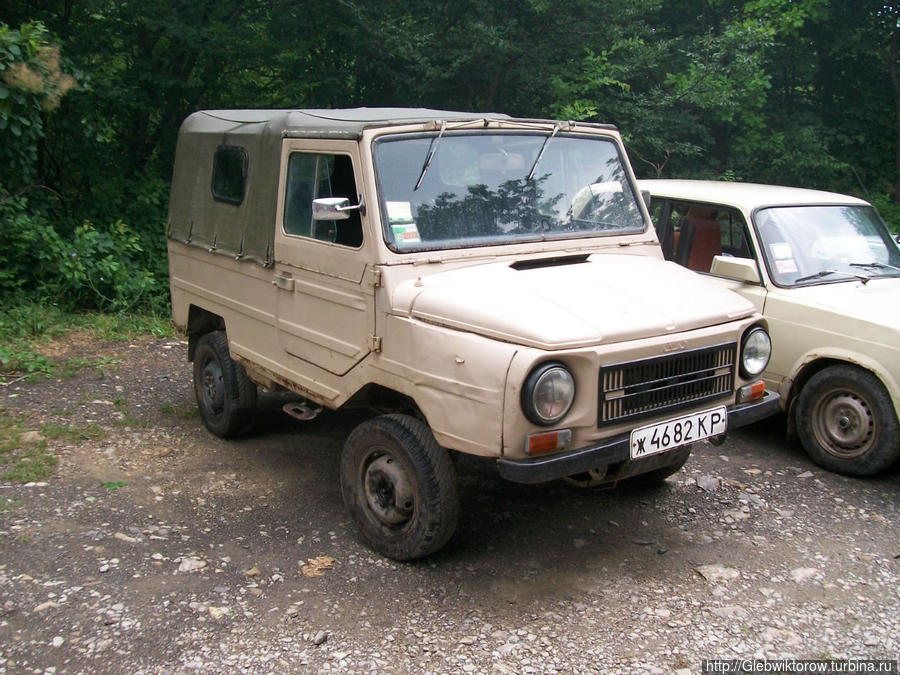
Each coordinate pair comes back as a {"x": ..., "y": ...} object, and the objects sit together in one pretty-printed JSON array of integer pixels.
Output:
[{"x": 616, "y": 450}]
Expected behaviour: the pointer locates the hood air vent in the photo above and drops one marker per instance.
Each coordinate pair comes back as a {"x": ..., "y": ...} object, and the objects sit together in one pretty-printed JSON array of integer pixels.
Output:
[{"x": 520, "y": 265}]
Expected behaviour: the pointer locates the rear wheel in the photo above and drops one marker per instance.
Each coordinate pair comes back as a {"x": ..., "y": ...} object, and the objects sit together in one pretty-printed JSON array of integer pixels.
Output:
[
  {"x": 226, "y": 397},
  {"x": 400, "y": 487},
  {"x": 846, "y": 421}
]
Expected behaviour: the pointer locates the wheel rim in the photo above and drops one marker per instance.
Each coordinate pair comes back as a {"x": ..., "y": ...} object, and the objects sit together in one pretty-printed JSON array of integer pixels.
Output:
[
  {"x": 388, "y": 491},
  {"x": 844, "y": 424},
  {"x": 212, "y": 386}
]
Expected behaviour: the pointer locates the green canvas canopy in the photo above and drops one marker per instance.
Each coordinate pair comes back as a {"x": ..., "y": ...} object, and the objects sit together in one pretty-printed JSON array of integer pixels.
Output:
[{"x": 245, "y": 228}]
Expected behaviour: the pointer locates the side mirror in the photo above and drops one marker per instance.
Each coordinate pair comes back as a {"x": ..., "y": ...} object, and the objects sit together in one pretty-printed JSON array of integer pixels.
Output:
[
  {"x": 739, "y": 269},
  {"x": 332, "y": 208}
]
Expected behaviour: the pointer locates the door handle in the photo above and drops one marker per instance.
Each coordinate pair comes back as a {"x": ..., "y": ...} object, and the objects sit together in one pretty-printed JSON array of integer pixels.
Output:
[{"x": 284, "y": 281}]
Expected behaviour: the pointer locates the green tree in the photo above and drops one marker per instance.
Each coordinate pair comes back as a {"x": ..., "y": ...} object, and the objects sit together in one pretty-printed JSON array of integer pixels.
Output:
[{"x": 32, "y": 84}]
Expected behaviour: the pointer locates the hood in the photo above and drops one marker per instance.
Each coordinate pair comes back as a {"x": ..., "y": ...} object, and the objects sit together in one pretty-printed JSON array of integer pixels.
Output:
[
  {"x": 562, "y": 304},
  {"x": 875, "y": 303}
]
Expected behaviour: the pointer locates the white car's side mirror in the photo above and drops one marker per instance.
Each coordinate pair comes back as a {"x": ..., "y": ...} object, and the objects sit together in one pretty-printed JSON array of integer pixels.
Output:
[{"x": 739, "y": 269}]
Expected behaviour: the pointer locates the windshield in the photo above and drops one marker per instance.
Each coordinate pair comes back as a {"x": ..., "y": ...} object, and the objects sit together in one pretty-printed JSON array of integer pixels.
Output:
[
  {"x": 817, "y": 244},
  {"x": 464, "y": 189}
]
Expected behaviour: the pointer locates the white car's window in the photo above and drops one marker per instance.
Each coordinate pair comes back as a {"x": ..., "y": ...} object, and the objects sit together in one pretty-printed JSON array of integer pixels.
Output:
[
  {"x": 481, "y": 189},
  {"x": 811, "y": 244},
  {"x": 694, "y": 233}
]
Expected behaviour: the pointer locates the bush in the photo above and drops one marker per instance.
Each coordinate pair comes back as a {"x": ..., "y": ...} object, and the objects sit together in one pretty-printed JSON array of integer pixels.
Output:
[
  {"x": 92, "y": 267},
  {"x": 99, "y": 268}
]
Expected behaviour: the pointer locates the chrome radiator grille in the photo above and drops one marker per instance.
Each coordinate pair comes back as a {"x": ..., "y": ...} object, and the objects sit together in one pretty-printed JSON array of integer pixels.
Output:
[{"x": 649, "y": 386}]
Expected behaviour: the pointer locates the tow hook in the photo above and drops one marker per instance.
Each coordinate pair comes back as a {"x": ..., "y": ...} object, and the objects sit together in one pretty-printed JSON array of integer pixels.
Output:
[
  {"x": 718, "y": 439},
  {"x": 302, "y": 410}
]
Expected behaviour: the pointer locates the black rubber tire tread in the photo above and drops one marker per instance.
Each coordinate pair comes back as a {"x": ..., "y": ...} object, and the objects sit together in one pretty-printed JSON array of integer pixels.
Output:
[
  {"x": 240, "y": 394},
  {"x": 884, "y": 451},
  {"x": 431, "y": 471}
]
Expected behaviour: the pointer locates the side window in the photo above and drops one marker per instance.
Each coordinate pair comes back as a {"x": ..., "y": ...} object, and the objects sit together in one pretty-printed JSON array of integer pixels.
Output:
[
  {"x": 701, "y": 231},
  {"x": 229, "y": 176},
  {"x": 734, "y": 237},
  {"x": 314, "y": 175}
]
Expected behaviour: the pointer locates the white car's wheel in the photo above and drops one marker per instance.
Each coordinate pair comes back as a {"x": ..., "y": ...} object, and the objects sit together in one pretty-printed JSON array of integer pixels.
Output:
[{"x": 846, "y": 421}]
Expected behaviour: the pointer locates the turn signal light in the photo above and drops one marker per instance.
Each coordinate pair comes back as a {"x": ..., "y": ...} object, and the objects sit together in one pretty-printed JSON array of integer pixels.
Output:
[
  {"x": 751, "y": 392},
  {"x": 548, "y": 441}
]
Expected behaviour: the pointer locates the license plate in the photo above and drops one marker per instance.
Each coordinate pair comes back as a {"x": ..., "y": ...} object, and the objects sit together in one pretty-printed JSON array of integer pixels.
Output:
[{"x": 656, "y": 438}]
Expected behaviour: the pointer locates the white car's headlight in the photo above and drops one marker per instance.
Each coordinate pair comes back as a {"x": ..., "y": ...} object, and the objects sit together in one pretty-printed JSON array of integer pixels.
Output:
[
  {"x": 756, "y": 349},
  {"x": 548, "y": 393}
]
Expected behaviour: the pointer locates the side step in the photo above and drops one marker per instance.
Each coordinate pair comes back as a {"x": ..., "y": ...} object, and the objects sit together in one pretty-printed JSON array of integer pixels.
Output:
[{"x": 302, "y": 410}]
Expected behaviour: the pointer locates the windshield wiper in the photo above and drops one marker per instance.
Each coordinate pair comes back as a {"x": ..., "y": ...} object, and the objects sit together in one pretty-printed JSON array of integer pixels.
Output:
[
  {"x": 431, "y": 150},
  {"x": 825, "y": 273},
  {"x": 540, "y": 154},
  {"x": 876, "y": 265}
]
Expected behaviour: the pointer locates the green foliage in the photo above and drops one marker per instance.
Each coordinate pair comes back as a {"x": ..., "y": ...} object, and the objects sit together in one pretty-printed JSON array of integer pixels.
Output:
[
  {"x": 801, "y": 92},
  {"x": 110, "y": 267},
  {"x": 31, "y": 84},
  {"x": 112, "y": 486},
  {"x": 90, "y": 267},
  {"x": 20, "y": 326},
  {"x": 27, "y": 326},
  {"x": 97, "y": 267},
  {"x": 889, "y": 210}
]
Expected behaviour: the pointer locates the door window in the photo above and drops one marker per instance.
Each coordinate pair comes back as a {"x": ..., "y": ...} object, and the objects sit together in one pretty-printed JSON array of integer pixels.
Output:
[
  {"x": 314, "y": 175},
  {"x": 694, "y": 233}
]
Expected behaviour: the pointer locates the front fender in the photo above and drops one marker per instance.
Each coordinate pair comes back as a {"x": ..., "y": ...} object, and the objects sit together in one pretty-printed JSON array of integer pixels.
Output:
[{"x": 886, "y": 367}]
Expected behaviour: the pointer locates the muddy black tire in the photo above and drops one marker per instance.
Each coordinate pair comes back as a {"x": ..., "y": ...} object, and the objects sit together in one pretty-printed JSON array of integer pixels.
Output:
[
  {"x": 400, "y": 487},
  {"x": 226, "y": 397},
  {"x": 846, "y": 422}
]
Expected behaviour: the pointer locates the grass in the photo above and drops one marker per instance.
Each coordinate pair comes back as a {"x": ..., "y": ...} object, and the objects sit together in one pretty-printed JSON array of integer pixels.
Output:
[
  {"x": 112, "y": 486},
  {"x": 27, "y": 327},
  {"x": 127, "y": 420},
  {"x": 8, "y": 504},
  {"x": 183, "y": 413},
  {"x": 55, "y": 432},
  {"x": 27, "y": 330},
  {"x": 24, "y": 457},
  {"x": 22, "y": 460}
]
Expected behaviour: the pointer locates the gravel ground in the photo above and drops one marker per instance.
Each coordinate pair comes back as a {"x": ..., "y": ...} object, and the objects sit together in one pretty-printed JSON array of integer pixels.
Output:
[{"x": 159, "y": 548}]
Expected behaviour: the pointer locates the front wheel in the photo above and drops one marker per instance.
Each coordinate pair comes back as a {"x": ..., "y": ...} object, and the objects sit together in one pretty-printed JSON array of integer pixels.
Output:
[
  {"x": 400, "y": 487},
  {"x": 846, "y": 421},
  {"x": 226, "y": 397}
]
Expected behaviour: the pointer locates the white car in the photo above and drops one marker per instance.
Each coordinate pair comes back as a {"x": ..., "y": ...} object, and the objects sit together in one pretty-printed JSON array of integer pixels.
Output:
[{"x": 825, "y": 272}]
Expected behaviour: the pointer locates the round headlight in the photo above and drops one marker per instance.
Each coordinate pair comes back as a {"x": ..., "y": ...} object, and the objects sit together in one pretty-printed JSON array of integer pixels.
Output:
[
  {"x": 548, "y": 393},
  {"x": 755, "y": 352}
]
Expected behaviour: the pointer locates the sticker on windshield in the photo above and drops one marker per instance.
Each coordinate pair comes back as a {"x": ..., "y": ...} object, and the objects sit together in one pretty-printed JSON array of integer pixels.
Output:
[
  {"x": 781, "y": 250},
  {"x": 399, "y": 212},
  {"x": 786, "y": 266},
  {"x": 405, "y": 233},
  {"x": 784, "y": 257}
]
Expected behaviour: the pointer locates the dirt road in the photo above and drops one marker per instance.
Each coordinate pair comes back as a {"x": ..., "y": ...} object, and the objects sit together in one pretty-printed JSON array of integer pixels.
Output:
[{"x": 157, "y": 547}]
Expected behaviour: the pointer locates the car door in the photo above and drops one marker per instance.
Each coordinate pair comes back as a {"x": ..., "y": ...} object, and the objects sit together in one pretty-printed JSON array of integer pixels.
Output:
[
  {"x": 325, "y": 290},
  {"x": 694, "y": 233}
]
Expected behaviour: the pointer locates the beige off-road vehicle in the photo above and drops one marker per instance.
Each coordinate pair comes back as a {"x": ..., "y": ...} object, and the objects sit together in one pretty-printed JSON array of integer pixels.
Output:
[{"x": 485, "y": 285}]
